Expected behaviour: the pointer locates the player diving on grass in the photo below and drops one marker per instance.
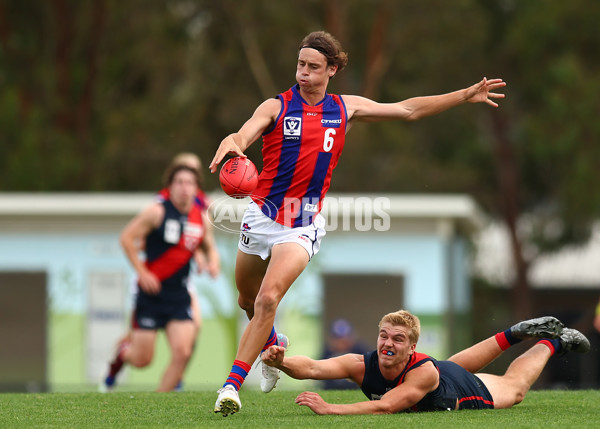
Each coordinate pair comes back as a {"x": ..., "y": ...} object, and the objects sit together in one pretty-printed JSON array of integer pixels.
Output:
[
  {"x": 303, "y": 131},
  {"x": 395, "y": 377}
]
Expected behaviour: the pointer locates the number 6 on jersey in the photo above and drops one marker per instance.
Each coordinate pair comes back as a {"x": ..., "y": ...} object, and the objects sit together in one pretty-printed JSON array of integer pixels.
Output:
[{"x": 328, "y": 140}]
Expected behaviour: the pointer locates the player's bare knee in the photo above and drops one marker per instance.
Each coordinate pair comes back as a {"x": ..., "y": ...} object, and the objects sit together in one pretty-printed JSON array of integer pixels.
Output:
[
  {"x": 520, "y": 393},
  {"x": 266, "y": 304},
  {"x": 182, "y": 354},
  {"x": 247, "y": 305},
  {"x": 519, "y": 397},
  {"x": 141, "y": 361}
]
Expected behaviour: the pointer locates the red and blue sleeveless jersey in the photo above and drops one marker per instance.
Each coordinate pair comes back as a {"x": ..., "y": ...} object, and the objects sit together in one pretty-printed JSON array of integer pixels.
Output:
[
  {"x": 300, "y": 152},
  {"x": 170, "y": 247},
  {"x": 375, "y": 385},
  {"x": 457, "y": 386}
]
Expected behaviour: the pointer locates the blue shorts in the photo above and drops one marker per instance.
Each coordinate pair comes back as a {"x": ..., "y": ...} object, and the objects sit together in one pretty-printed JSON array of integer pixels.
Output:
[
  {"x": 156, "y": 313},
  {"x": 469, "y": 390}
]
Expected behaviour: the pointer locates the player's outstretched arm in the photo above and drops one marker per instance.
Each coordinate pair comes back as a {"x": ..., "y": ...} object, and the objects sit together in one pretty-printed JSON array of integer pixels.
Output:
[
  {"x": 317, "y": 404},
  {"x": 237, "y": 143},
  {"x": 302, "y": 367},
  {"x": 412, "y": 109},
  {"x": 417, "y": 384}
]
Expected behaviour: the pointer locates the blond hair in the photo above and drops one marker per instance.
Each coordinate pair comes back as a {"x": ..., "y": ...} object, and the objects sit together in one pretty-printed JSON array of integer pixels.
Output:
[
  {"x": 406, "y": 319},
  {"x": 187, "y": 159}
]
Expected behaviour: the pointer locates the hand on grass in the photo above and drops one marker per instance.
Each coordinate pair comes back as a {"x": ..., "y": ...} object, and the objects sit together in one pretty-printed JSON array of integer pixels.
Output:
[{"x": 313, "y": 401}]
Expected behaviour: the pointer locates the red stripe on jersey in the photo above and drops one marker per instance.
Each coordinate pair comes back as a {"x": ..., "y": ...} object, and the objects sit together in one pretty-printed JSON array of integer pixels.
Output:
[
  {"x": 177, "y": 256},
  {"x": 416, "y": 360},
  {"x": 271, "y": 153},
  {"x": 299, "y": 155}
]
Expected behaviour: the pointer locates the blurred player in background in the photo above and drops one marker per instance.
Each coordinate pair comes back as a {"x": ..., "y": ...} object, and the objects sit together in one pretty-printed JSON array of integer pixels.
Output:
[
  {"x": 395, "y": 377},
  {"x": 340, "y": 341},
  {"x": 303, "y": 132},
  {"x": 170, "y": 231},
  {"x": 206, "y": 257}
]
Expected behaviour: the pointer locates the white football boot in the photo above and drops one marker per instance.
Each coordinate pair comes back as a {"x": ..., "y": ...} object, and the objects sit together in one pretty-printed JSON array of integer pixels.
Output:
[
  {"x": 228, "y": 401},
  {"x": 270, "y": 374}
]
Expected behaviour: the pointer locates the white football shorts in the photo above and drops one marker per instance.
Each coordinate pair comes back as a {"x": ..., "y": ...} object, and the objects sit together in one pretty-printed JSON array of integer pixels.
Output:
[{"x": 259, "y": 233}]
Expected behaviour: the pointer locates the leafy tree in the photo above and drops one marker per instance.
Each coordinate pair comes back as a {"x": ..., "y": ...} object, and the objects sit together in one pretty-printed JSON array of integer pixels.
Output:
[{"x": 543, "y": 143}]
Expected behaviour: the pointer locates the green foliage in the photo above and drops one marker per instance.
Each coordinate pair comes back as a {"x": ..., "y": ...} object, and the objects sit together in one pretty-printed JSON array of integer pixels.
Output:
[
  {"x": 96, "y": 95},
  {"x": 549, "y": 409},
  {"x": 550, "y": 56}
]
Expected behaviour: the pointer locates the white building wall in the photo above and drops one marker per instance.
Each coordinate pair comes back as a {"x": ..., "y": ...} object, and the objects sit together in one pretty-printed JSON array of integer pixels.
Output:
[{"x": 71, "y": 237}]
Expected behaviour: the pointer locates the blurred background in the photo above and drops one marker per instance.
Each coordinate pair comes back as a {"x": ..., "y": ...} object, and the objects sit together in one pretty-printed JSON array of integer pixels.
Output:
[{"x": 493, "y": 212}]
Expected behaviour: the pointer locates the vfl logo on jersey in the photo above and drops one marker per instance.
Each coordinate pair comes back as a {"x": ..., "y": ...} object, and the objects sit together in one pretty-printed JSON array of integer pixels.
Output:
[{"x": 292, "y": 127}]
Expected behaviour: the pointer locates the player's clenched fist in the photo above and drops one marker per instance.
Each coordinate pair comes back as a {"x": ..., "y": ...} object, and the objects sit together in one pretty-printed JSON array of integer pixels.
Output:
[{"x": 273, "y": 356}]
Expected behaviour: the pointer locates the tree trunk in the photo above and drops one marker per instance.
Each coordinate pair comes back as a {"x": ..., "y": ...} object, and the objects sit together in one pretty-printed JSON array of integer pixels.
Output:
[
  {"x": 256, "y": 60},
  {"x": 508, "y": 180},
  {"x": 336, "y": 12},
  {"x": 86, "y": 102},
  {"x": 377, "y": 58},
  {"x": 13, "y": 61},
  {"x": 64, "y": 27}
]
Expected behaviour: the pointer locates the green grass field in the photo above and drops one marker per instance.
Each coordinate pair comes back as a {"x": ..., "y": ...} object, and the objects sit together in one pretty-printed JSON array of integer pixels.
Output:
[{"x": 541, "y": 409}]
